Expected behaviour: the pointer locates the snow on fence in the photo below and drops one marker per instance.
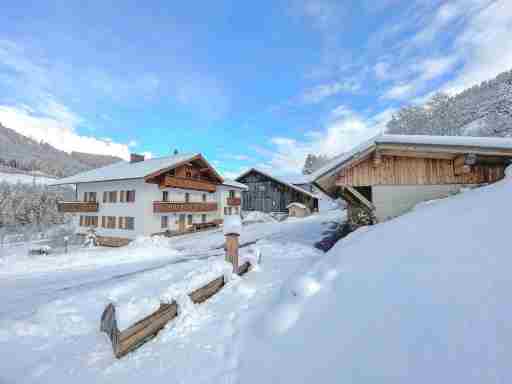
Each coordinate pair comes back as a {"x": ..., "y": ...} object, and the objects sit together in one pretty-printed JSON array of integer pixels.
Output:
[{"x": 144, "y": 330}]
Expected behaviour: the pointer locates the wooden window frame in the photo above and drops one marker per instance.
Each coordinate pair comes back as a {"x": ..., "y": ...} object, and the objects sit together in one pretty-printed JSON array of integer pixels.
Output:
[
  {"x": 204, "y": 197},
  {"x": 203, "y": 218},
  {"x": 187, "y": 197},
  {"x": 190, "y": 219},
  {"x": 105, "y": 196},
  {"x": 165, "y": 195},
  {"x": 129, "y": 222},
  {"x": 164, "y": 222},
  {"x": 122, "y": 196}
]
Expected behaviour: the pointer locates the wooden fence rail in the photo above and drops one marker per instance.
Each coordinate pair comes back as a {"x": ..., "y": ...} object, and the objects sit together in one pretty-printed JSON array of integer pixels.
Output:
[{"x": 144, "y": 330}]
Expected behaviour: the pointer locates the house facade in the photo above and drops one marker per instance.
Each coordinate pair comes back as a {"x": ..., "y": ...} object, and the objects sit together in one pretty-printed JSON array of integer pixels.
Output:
[
  {"x": 388, "y": 175},
  {"x": 145, "y": 197},
  {"x": 267, "y": 193}
]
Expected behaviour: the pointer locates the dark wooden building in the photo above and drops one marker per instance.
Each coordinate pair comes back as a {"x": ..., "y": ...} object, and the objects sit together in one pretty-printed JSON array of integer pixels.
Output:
[{"x": 267, "y": 193}]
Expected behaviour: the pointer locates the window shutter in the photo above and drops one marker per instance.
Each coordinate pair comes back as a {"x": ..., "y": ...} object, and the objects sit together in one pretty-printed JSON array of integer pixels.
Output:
[
  {"x": 122, "y": 196},
  {"x": 120, "y": 222},
  {"x": 81, "y": 221},
  {"x": 103, "y": 221}
]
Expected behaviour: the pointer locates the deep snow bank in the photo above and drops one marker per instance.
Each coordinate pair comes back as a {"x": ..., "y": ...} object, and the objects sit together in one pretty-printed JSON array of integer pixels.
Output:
[{"x": 423, "y": 298}]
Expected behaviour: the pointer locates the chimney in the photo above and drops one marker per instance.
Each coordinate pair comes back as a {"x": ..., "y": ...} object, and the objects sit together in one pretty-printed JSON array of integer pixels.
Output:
[{"x": 135, "y": 158}]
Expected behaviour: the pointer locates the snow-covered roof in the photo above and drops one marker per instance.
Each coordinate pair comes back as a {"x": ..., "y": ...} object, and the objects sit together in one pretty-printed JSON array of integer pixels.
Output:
[
  {"x": 295, "y": 204},
  {"x": 235, "y": 184},
  {"x": 298, "y": 189},
  {"x": 449, "y": 141},
  {"x": 124, "y": 170}
]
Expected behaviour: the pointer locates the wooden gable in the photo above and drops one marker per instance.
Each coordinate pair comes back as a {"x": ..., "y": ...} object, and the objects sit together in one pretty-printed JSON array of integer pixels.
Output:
[{"x": 399, "y": 168}]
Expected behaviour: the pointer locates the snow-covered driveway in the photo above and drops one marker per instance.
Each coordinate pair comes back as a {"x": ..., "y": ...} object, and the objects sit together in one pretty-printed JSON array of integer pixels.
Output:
[{"x": 50, "y": 310}]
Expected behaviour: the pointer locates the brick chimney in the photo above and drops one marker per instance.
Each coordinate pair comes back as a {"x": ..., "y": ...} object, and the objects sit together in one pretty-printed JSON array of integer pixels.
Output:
[{"x": 135, "y": 158}]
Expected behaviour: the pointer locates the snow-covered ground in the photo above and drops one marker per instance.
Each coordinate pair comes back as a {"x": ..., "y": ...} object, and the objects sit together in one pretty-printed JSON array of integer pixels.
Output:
[
  {"x": 51, "y": 305},
  {"x": 24, "y": 178},
  {"x": 424, "y": 298}
]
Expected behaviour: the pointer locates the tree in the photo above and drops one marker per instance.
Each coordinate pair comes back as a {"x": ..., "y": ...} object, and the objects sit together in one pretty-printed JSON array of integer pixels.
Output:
[{"x": 313, "y": 162}]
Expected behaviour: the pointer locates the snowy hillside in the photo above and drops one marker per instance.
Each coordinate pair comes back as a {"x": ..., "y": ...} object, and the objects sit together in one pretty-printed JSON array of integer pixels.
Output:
[
  {"x": 424, "y": 298},
  {"x": 14, "y": 178}
]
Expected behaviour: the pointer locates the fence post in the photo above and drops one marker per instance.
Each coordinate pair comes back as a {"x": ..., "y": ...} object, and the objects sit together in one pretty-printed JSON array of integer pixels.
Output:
[{"x": 232, "y": 229}]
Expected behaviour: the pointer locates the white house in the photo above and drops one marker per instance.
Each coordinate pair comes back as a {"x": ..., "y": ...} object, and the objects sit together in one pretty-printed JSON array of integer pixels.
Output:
[{"x": 146, "y": 197}]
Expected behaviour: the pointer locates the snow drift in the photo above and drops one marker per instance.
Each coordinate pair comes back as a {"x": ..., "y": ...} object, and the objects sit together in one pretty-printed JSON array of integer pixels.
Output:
[{"x": 423, "y": 298}]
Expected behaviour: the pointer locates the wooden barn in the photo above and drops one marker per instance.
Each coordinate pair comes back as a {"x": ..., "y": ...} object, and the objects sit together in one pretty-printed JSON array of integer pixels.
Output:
[
  {"x": 267, "y": 193},
  {"x": 389, "y": 174}
]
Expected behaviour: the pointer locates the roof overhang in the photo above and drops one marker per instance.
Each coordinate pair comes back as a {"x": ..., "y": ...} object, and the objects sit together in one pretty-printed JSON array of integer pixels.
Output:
[{"x": 198, "y": 158}]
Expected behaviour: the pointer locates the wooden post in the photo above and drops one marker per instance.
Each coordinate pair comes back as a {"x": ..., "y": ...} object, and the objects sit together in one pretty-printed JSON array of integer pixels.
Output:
[{"x": 232, "y": 250}]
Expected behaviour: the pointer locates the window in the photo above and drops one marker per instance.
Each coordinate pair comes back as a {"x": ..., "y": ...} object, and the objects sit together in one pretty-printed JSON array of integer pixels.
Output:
[
  {"x": 204, "y": 197},
  {"x": 130, "y": 196},
  {"x": 187, "y": 197},
  {"x": 203, "y": 218},
  {"x": 120, "y": 222},
  {"x": 129, "y": 223},
  {"x": 164, "y": 221},
  {"x": 225, "y": 211},
  {"x": 188, "y": 174},
  {"x": 230, "y": 211},
  {"x": 165, "y": 196},
  {"x": 112, "y": 196},
  {"x": 189, "y": 219},
  {"x": 89, "y": 221},
  {"x": 103, "y": 222},
  {"x": 111, "y": 222},
  {"x": 231, "y": 194},
  {"x": 237, "y": 210},
  {"x": 122, "y": 196},
  {"x": 85, "y": 196},
  {"x": 105, "y": 196}
]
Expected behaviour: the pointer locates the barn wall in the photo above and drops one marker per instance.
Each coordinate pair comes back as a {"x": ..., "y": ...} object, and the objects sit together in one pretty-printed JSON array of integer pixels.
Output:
[
  {"x": 415, "y": 171},
  {"x": 267, "y": 195}
]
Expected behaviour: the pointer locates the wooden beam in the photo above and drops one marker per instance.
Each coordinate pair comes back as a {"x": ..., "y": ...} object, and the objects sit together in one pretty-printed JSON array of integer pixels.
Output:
[
  {"x": 377, "y": 158},
  {"x": 448, "y": 149},
  {"x": 415, "y": 154}
]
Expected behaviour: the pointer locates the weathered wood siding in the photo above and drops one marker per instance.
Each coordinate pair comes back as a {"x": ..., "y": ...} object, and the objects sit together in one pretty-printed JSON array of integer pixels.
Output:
[
  {"x": 394, "y": 170},
  {"x": 267, "y": 195}
]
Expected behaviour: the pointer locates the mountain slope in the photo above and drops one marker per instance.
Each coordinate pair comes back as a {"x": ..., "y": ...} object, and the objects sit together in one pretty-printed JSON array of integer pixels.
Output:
[
  {"x": 24, "y": 153},
  {"x": 423, "y": 298},
  {"x": 482, "y": 110}
]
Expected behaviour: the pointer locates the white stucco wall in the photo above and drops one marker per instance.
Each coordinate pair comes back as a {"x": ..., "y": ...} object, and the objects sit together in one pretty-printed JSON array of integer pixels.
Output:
[
  {"x": 137, "y": 209},
  {"x": 223, "y": 194},
  {"x": 393, "y": 200},
  {"x": 146, "y": 221}
]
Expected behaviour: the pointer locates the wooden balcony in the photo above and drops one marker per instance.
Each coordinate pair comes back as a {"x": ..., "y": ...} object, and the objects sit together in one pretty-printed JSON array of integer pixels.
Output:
[
  {"x": 235, "y": 201},
  {"x": 172, "y": 206},
  {"x": 78, "y": 206},
  {"x": 188, "y": 183}
]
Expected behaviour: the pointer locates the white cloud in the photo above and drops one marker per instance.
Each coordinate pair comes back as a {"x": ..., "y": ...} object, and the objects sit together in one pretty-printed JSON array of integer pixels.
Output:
[
  {"x": 446, "y": 14},
  {"x": 56, "y": 126},
  {"x": 382, "y": 70},
  {"x": 339, "y": 134},
  {"x": 485, "y": 45},
  {"x": 319, "y": 93},
  {"x": 238, "y": 157},
  {"x": 399, "y": 91}
]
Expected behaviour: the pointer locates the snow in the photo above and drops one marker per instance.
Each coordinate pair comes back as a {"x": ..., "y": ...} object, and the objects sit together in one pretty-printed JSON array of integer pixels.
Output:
[
  {"x": 236, "y": 184},
  {"x": 232, "y": 225},
  {"x": 24, "y": 178},
  {"x": 257, "y": 216},
  {"x": 296, "y": 205},
  {"x": 508, "y": 171},
  {"x": 51, "y": 305},
  {"x": 125, "y": 170},
  {"x": 422, "y": 298}
]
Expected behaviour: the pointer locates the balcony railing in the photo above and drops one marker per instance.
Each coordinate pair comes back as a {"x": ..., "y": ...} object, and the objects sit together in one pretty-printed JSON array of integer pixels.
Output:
[
  {"x": 78, "y": 206},
  {"x": 187, "y": 183},
  {"x": 172, "y": 206},
  {"x": 234, "y": 201}
]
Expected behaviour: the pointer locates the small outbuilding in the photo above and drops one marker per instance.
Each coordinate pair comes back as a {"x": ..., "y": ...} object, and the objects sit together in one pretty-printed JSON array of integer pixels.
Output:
[
  {"x": 389, "y": 174},
  {"x": 298, "y": 210}
]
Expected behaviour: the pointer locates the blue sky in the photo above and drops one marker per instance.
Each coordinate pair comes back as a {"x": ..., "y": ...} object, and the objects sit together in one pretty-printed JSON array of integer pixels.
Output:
[{"x": 245, "y": 83}]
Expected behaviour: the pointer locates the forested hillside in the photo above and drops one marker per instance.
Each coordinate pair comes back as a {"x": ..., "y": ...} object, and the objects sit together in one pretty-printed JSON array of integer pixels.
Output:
[
  {"x": 25, "y": 154},
  {"x": 482, "y": 110}
]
